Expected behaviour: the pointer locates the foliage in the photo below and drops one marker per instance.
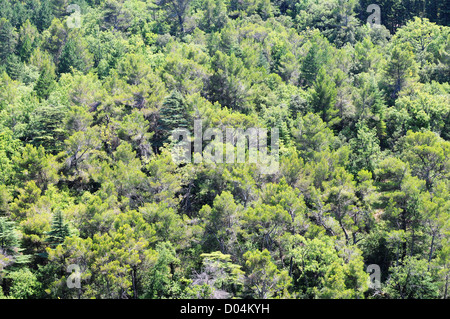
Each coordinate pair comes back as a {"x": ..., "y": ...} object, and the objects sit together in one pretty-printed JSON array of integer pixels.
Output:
[{"x": 87, "y": 176}]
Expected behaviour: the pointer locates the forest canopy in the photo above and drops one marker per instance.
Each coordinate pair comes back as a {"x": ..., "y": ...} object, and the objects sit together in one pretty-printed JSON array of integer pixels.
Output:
[{"x": 91, "y": 91}]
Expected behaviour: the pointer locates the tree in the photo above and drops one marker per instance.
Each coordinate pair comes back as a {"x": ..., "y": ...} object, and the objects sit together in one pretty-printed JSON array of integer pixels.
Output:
[
  {"x": 370, "y": 104},
  {"x": 434, "y": 208},
  {"x": 225, "y": 278},
  {"x": 263, "y": 278},
  {"x": 340, "y": 194},
  {"x": 215, "y": 15},
  {"x": 263, "y": 225},
  {"x": 185, "y": 70},
  {"x": 10, "y": 246},
  {"x": 227, "y": 84},
  {"x": 428, "y": 155},
  {"x": 346, "y": 30},
  {"x": 25, "y": 284},
  {"x": 79, "y": 149},
  {"x": 115, "y": 16},
  {"x": 54, "y": 38},
  {"x": 13, "y": 67},
  {"x": 310, "y": 66},
  {"x": 402, "y": 201},
  {"x": 169, "y": 225},
  {"x": 312, "y": 135},
  {"x": 28, "y": 35},
  {"x": 324, "y": 98},
  {"x": 411, "y": 280},
  {"x": 174, "y": 114},
  {"x": 45, "y": 83},
  {"x": 320, "y": 271},
  {"x": 112, "y": 263},
  {"x": 422, "y": 35},
  {"x": 366, "y": 148},
  {"x": 159, "y": 280},
  {"x": 135, "y": 130},
  {"x": 45, "y": 128},
  {"x": 400, "y": 68},
  {"x": 176, "y": 8},
  {"x": 9, "y": 148},
  {"x": 8, "y": 39},
  {"x": 43, "y": 16},
  {"x": 9, "y": 239},
  {"x": 74, "y": 55},
  {"x": 221, "y": 223},
  {"x": 59, "y": 8},
  {"x": 417, "y": 112},
  {"x": 59, "y": 229}
]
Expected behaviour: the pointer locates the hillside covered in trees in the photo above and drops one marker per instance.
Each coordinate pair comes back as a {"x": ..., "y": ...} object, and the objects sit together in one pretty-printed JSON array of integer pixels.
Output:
[{"x": 91, "y": 91}]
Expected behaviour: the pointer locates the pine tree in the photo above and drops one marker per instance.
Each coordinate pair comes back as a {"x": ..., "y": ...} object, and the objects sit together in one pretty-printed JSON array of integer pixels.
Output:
[
  {"x": 366, "y": 148},
  {"x": 9, "y": 239},
  {"x": 44, "y": 16},
  {"x": 8, "y": 40},
  {"x": 27, "y": 36},
  {"x": 70, "y": 57},
  {"x": 400, "y": 67},
  {"x": 13, "y": 67},
  {"x": 10, "y": 243},
  {"x": 310, "y": 66},
  {"x": 45, "y": 82},
  {"x": 174, "y": 112},
  {"x": 45, "y": 128},
  {"x": 176, "y": 9},
  {"x": 59, "y": 7},
  {"x": 173, "y": 115},
  {"x": 324, "y": 98},
  {"x": 59, "y": 229}
]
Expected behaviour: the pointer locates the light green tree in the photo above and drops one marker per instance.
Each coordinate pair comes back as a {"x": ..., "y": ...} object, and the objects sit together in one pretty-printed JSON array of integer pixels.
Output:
[{"x": 263, "y": 279}]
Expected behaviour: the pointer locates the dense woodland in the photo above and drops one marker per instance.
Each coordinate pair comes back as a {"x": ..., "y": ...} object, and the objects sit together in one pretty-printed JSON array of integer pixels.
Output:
[{"x": 88, "y": 101}]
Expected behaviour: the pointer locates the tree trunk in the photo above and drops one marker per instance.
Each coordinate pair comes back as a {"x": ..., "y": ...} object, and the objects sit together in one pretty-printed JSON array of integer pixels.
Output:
[
  {"x": 446, "y": 286},
  {"x": 290, "y": 266},
  {"x": 431, "y": 251},
  {"x": 133, "y": 280}
]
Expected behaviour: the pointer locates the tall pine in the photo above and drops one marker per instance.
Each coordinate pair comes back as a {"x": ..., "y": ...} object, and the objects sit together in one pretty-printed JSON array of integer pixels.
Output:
[
  {"x": 59, "y": 229},
  {"x": 8, "y": 40},
  {"x": 324, "y": 97},
  {"x": 173, "y": 115},
  {"x": 45, "y": 82},
  {"x": 43, "y": 15},
  {"x": 310, "y": 66}
]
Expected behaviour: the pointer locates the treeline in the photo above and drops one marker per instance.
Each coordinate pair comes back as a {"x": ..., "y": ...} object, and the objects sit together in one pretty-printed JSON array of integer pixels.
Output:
[{"x": 87, "y": 176}]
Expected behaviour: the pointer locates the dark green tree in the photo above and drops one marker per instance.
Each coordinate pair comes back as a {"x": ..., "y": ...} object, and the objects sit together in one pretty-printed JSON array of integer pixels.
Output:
[
  {"x": 73, "y": 55},
  {"x": 324, "y": 97},
  {"x": 9, "y": 239},
  {"x": 8, "y": 40},
  {"x": 174, "y": 114},
  {"x": 43, "y": 15},
  {"x": 45, "y": 83},
  {"x": 177, "y": 9},
  {"x": 310, "y": 66},
  {"x": 27, "y": 40},
  {"x": 59, "y": 229},
  {"x": 400, "y": 68}
]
